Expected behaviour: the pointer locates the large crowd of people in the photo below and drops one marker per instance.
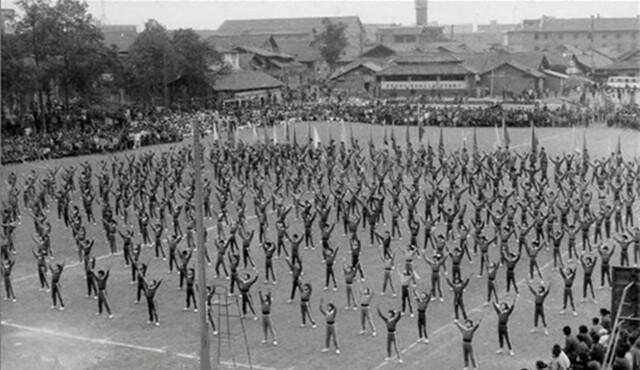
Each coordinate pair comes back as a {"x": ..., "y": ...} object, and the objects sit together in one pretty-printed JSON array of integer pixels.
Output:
[
  {"x": 125, "y": 131},
  {"x": 270, "y": 200},
  {"x": 587, "y": 348}
]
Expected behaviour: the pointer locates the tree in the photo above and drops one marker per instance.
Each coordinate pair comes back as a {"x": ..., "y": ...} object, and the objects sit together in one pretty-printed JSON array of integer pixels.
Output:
[
  {"x": 55, "y": 45},
  {"x": 84, "y": 57},
  {"x": 192, "y": 57},
  {"x": 332, "y": 41},
  {"x": 150, "y": 63}
]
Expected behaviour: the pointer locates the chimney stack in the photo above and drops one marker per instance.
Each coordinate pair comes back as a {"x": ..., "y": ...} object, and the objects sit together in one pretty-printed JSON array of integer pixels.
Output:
[{"x": 421, "y": 12}]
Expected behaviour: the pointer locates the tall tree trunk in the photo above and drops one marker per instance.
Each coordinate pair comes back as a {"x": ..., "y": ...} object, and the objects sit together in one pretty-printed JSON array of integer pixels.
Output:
[{"x": 43, "y": 119}]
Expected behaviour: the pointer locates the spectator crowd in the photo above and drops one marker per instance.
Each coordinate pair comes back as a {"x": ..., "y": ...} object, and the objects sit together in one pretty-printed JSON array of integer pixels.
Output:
[
  {"x": 586, "y": 349},
  {"x": 125, "y": 131}
]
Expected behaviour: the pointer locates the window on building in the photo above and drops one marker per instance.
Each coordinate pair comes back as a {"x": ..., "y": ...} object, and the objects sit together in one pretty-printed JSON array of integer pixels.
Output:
[
  {"x": 604, "y": 36},
  {"x": 546, "y": 37},
  {"x": 560, "y": 36},
  {"x": 575, "y": 35},
  {"x": 618, "y": 35},
  {"x": 536, "y": 36}
]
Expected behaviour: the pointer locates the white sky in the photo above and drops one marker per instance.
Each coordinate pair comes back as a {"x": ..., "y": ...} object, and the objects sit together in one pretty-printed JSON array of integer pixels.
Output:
[{"x": 209, "y": 14}]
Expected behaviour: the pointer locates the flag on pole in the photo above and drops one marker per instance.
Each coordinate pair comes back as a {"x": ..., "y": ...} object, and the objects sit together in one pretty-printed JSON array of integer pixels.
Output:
[
  {"x": 464, "y": 139},
  {"x": 534, "y": 139},
  {"x": 385, "y": 139},
  {"x": 584, "y": 139},
  {"x": 316, "y": 138},
  {"x": 308, "y": 131},
  {"x": 574, "y": 133},
  {"x": 618, "y": 146},
  {"x": 330, "y": 134},
  {"x": 505, "y": 134},
  {"x": 287, "y": 131},
  {"x": 441, "y": 140},
  {"x": 370, "y": 134},
  {"x": 393, "y": 133},
  {"x": 275, "y": 134},
  {"x": 255, "y": 133},
  {"x": 295, "y": 136},
  {"x": 215, "y": 132},
  {"x": 264, "y": 132},
  {"x": 475, "y": 141},
  {"x": 343, "y": 132},
  {"x": 421, "y": 126},
  {"x": 352, "y": 140},
  {"x": 498, "y": 142},
  {"x": 407, "y": 138}
]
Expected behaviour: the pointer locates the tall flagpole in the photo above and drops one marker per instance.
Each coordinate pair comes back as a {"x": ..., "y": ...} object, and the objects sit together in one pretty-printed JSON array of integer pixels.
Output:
[{"x": 205, "y": 360}]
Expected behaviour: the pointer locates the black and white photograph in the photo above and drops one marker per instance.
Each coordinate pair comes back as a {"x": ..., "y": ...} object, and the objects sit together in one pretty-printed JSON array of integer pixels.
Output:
[{"x": 320, "y": 184}]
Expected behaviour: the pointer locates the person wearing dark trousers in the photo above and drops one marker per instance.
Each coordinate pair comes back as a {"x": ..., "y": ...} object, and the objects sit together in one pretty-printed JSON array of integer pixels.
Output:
[
  {"x": 55, "y": 285},
  {"x": 458, "y": 286},
  {"x": 101, "y": 282},
  {"x": 330, "y": 317},
  {"x": 150, "y": 293},
  {"x": 422, "y": 303},
  {"x": 191, "y": 286},
  {"x": 391, "y": 321},
  {"x": 244, "y": 285},
  {"x": 305, "y": 296},
  {"x": 504, "y": 311},
  {"x": 539, "y": 296}
]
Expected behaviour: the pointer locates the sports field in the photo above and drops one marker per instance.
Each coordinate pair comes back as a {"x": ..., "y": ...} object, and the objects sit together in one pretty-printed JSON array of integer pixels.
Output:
[{"x": 36, "y": 337}]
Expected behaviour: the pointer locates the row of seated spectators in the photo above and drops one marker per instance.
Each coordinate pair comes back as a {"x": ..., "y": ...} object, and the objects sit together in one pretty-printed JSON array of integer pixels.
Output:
[{"x": 587, "y": 349}]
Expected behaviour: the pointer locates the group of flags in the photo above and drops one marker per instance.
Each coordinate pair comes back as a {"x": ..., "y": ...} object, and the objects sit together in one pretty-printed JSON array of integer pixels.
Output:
[{"x": 503, "y": 139}]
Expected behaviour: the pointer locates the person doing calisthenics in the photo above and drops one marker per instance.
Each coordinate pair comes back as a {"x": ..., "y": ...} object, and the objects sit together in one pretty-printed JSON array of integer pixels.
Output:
[{"x": 391, "y": 321}]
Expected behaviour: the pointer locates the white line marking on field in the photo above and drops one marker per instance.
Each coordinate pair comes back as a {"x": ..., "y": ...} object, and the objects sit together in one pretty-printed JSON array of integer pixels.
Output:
[{"x": 108, "y": 342}]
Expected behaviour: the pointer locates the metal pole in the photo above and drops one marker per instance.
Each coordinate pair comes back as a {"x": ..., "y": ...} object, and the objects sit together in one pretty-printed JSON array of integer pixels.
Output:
[{"x": 205, "y": 360}]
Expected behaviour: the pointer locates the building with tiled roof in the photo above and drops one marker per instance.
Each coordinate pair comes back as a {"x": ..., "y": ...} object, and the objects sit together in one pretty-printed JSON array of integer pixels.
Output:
[
  {"x": 627, "y": 65},
  {"x": 595, "y": 32},
  {"x": 299, "y": 29},
  {"x": 356, "y": 79},
  {"x": 409, "y": 38},
  {"x": 247, "y": 85}
]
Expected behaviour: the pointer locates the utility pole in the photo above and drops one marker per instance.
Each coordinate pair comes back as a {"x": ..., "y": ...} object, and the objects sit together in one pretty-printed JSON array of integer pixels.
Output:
[{"x": 205, "y": 360}]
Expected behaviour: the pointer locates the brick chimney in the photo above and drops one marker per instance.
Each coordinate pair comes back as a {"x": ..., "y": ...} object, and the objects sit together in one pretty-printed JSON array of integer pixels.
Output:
[{"x": 421, "y": 12}]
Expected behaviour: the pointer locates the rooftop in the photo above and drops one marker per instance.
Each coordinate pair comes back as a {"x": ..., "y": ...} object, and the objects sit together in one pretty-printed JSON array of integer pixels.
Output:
[
  {"x": 354, "y": 65},
  {"x": 423, "y": 58},
  {"x": 550, "y": 24},
  {"x": 277, "y": 26},
  {"x": 424, "y": 69},
  {"x": 244, "y": 81}
]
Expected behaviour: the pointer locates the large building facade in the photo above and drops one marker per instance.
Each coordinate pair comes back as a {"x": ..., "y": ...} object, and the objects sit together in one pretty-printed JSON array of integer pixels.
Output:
[{"x": 621, "y": 34}]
